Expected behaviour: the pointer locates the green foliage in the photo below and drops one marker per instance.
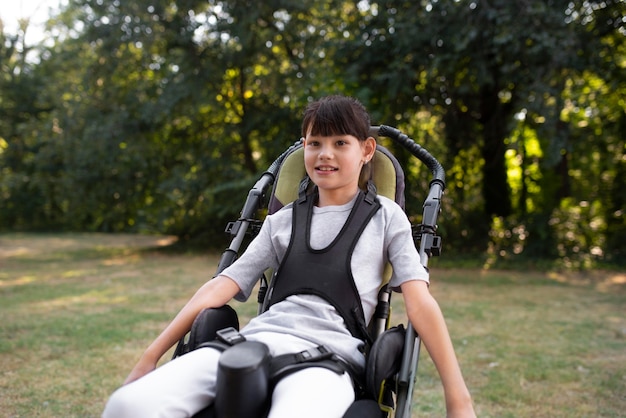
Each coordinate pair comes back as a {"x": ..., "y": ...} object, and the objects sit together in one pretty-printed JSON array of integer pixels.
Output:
[{"x": 158, "y": 116}]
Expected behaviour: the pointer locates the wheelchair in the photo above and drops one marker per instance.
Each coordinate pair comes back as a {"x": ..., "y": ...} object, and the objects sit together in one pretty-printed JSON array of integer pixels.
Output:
[{"x": 392, "y": 360}]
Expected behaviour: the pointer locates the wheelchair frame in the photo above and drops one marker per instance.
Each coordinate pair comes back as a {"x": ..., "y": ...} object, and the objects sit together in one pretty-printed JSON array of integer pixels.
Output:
[{"x": 425, "y": 233}]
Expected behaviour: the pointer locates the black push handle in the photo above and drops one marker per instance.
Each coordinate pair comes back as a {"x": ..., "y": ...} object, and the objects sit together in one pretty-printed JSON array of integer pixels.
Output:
[
  {"x": 439, "y": 174},
  {"x": 253, "y": 203}
]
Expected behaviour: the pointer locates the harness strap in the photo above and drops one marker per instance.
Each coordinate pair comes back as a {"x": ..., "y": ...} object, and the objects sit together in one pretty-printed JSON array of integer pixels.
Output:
[
  {"x": 285, "y": 364},
  {"x": 320, "y": 356}
]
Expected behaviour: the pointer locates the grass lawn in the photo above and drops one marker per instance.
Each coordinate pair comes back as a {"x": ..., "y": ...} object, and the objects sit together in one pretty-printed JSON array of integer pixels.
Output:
[{"x": 77, "y": 310}]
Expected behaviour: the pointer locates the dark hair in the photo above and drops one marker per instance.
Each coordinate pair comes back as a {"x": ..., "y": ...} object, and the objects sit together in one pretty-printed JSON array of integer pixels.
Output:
[{"x": 336, "y": 115}]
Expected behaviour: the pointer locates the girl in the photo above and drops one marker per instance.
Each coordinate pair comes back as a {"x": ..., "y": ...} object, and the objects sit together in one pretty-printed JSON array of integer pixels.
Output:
[{"x": 336, "y": 148}]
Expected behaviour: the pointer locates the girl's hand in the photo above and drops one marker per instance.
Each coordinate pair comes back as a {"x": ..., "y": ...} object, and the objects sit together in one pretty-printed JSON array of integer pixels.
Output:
[
  {"x": 142, "y": 368},
  {"x": 458, "y": 401},
  {"x": 467, "y": 413}
]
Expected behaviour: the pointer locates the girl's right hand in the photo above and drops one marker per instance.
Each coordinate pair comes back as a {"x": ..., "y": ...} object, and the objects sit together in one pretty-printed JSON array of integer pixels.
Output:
[{"x": 141, "y": 369}]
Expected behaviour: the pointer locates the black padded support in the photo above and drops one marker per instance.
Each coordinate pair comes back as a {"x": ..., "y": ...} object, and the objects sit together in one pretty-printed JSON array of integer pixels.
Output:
[
  {"x": 384, "y": 359},
  {"x": 365, "y": 408},
  {"x": 205, "y": 327},
  {"x": 209, "y": 322}
]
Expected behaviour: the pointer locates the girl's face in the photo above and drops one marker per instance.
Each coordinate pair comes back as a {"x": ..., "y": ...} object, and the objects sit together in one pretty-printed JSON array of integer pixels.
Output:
[{"x": 334, "y": 164}]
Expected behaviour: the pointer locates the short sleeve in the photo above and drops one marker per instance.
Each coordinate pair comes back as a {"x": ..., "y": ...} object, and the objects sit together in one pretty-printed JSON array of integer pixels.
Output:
[{"x": 401, "y": 251}]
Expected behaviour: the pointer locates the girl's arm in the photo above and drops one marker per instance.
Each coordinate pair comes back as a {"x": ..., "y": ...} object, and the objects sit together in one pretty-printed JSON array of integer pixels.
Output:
[
  {"x": 427, "y": 319},
  {"x": 212, "y": 294}
]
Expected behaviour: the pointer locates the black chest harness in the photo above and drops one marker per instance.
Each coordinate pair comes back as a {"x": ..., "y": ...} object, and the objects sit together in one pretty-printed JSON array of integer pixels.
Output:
[{"x": 326, "y": 272}]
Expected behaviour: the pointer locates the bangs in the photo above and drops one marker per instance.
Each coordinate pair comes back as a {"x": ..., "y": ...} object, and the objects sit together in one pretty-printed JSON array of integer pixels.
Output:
[{"x": 336, "y": 115}]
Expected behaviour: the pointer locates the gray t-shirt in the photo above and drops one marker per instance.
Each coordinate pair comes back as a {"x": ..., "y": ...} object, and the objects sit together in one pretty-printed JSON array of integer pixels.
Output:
[{"x": 387, "y": 238}]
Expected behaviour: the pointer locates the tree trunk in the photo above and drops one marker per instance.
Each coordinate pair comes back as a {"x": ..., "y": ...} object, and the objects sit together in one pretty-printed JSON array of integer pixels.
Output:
[{"x": 495, "y": 186}]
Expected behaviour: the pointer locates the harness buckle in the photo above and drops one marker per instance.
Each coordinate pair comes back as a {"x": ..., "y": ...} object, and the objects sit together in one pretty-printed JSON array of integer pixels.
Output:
[
  {"x": 313, "y": 354},
  {"x": 230, "y": 336}
]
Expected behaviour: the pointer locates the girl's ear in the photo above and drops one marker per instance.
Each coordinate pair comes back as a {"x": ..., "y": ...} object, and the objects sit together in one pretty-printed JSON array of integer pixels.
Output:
[{"x": 369, "y": 147}]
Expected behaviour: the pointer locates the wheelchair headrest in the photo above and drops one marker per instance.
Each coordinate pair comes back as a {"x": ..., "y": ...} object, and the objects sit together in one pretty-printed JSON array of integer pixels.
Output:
[{"x": 386, "y": 174}]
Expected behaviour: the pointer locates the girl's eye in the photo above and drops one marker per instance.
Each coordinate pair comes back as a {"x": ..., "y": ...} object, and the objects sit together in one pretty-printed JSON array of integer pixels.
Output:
[{"x": 341, "y": 142}]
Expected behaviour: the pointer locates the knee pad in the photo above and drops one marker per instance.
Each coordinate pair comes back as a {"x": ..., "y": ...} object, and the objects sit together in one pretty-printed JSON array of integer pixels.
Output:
[{"x": 243, "y": 381}]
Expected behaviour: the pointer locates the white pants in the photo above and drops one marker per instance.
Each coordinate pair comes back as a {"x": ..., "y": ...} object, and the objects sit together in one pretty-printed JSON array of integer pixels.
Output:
[{"x": 186, "y": 385}]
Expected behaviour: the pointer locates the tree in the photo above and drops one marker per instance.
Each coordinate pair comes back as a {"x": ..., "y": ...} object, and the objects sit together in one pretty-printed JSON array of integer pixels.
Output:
[
  {"x": 480, "y": 68},
  {"x": 172, "y": 108},
  {"x": 21, "y": 108}
]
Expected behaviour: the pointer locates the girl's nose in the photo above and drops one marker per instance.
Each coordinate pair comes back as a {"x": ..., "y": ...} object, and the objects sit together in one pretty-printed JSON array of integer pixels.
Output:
[{"x": 325, "y": 152}]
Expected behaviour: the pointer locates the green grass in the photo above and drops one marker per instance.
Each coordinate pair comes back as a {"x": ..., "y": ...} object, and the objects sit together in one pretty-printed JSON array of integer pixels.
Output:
[{"x": 77, "y": 310}]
